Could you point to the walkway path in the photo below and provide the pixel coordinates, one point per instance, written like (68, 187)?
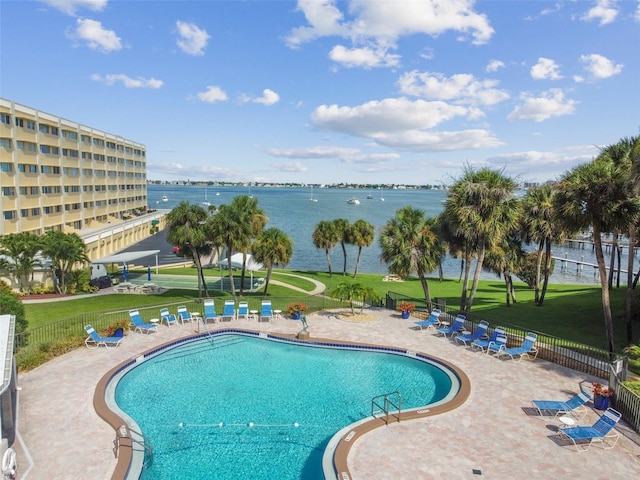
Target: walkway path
(492, 433)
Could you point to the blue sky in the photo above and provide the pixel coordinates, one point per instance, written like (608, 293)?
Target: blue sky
(321, 91)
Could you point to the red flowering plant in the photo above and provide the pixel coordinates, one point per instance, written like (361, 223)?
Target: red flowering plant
(118, 324)
(405, 307)
(296, 307)
(599, 389)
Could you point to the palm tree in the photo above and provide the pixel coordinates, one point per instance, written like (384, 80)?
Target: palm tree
(272, 247)
(597, 195)
(186, 229)
(65, 251)
(504, 259)
(361, 234)
(537, 225)
(21, 249)
(410, 244)
(480, 210)
(349, 292)
(325, 237)
(342, 227)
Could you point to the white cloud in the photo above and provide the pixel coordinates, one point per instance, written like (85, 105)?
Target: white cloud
(363, 57)
(381, 24)
(269, 97)
(290, 167)
(636, 15)
(600, 67)
(127, 81)
(460, 88)
(95, 36)
(550, 104)
(70, 7)
(313, 152)
(439, 141)
(192, 40)
(604, 10)
(212, 94)
(494, 66)
(374, 158)
(545, 69)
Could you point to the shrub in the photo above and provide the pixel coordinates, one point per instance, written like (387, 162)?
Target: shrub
(33, 356)
(113, 326)
(10, 304)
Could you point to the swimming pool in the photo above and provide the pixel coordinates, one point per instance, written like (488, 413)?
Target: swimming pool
(239, 406)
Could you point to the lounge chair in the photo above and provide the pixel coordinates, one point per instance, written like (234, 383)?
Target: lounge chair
(184, 315)
(458, 324)
(574, 406)
(496, 346)
(140, 325)
(167, 317)
(602, 431)
(527, 349)
(431, 321)
(481, 331)
(483, 343)
(94, 340)
(266, 313)
(243, 310)
(229, 312)
(210, 311)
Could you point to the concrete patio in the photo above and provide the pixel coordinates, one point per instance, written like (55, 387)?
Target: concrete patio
(493, 435)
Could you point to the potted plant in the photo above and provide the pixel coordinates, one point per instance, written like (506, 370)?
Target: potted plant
(296, 309)
(405, 308)
(117, 328)
(601, 396)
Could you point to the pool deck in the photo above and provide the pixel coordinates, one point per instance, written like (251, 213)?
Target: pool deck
(493, 435)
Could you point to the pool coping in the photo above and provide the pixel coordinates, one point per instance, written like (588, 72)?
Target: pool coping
(125, 442)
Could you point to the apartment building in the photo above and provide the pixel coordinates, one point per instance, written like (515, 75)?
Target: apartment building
(56, 174)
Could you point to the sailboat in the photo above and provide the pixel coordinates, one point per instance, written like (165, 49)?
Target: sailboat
(165, 198)
(206, 201)
(250, 196)
(381, 197)
(311, 199)
(369, 196)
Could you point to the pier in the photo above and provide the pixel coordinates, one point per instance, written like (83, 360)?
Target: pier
(580, 264)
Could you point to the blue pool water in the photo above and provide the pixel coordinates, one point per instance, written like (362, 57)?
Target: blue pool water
(237, 406)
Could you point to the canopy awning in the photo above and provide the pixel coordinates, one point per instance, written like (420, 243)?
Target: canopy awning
(236, 261)
(126, 257)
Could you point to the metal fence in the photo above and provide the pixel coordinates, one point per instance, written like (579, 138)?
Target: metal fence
(624, 400)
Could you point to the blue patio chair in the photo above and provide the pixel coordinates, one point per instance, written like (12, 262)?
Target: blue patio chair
(458, 324)
(431, 321)
(602, 431)
(184, 315)
(574, 406)
(210, 310)
(167, 317)
(94, 340)
(496, 346)
(527, 349)
(483, 343)
(481, 331)
(140, 325)
(266, 313)
(243, 310)
(229, 312)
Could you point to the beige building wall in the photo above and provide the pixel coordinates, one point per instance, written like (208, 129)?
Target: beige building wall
(56, 174)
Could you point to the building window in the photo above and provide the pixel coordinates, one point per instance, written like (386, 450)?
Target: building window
(8, 191)
(31, 125)
(24, 212)
(19, 122)
(9, 215)
(5, 143)
(45, 169)
(70, 135)
(54, 131)
(85, 138)
(35, 212)
(22, 190)
(5, 118)
(6, 167)
(47, 210)
(46, 190)
(43, 128)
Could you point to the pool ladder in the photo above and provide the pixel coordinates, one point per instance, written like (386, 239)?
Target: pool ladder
(136, 438)
(384, 404)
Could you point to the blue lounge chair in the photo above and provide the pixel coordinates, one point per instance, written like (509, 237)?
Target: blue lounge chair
(184, 315)
(266, 313)
(229, 312)
(458, 324)
(496, 346)
(483, 343)
(481, 331)
(602, 431)
(167, 317)
(574, 406)
(527, 349)
(210, 310)
(430, 322)
(243, 310)
(94, 340)
(140, 325)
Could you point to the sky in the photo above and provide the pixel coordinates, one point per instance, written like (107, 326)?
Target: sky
(326, 92)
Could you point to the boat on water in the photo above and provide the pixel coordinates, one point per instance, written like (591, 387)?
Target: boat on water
(369, 196)
(381, 197)
(311, 199)
(217, 194)
(165, 198)
(206, 201)
(353, 201)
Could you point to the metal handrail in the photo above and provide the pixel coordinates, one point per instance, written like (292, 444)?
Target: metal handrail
(125, 432)
(386, 408)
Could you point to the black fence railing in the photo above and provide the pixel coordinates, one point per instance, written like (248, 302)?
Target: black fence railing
(624, 400)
